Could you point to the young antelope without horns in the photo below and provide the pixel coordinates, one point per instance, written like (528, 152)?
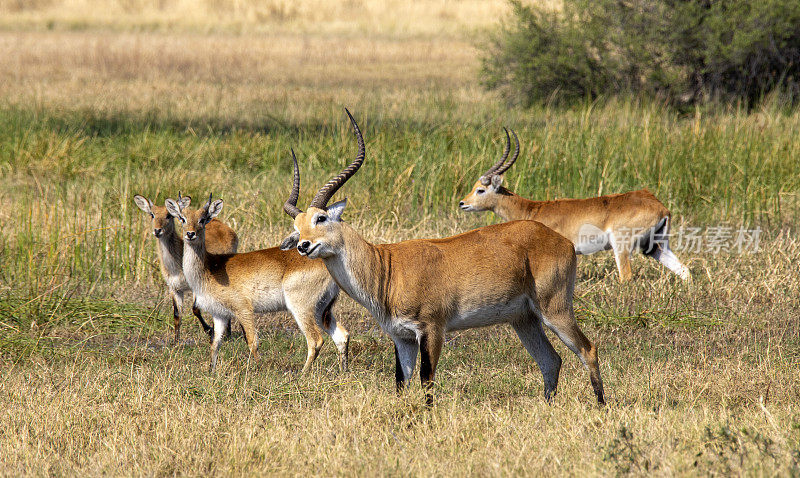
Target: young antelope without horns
(268, 280)
(221, 240)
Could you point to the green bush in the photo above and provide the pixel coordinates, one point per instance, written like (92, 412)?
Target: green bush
(683, 51)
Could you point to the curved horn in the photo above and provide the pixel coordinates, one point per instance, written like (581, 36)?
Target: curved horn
(290, 206)
(178, 202)
(324, 195)
(487, 176)
(507, 165)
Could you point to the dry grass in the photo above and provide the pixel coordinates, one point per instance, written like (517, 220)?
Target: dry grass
(241, 79)
(383, 17)
(701, 378)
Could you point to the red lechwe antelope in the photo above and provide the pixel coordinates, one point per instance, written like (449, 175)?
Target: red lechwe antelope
(520, 272)
(622, 222)
(269, 280)
(221, 240)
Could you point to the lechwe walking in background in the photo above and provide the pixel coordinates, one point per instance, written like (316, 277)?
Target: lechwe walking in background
(621, 222)
(521, 273)
(269, 280)
(221, 240)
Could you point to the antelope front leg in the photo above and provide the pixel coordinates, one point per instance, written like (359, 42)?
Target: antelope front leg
(219, 328)
(430, 344)
(313, 341)
(405, 355)
(340, 336)
(247, 320)
(206, 328)
(177, 305)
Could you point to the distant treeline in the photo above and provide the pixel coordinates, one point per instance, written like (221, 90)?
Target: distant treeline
(680, 51)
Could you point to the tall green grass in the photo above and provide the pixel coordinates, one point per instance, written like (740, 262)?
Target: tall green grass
(69, 176)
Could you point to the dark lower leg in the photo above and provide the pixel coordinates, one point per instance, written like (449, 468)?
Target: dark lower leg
(430, 348)
(594, 374)
(176, 320)
(206, 328)
(399, 376)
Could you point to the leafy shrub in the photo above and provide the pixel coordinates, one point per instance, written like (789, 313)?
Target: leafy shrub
(684, 51)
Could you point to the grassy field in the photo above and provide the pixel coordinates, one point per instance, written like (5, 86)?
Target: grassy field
(97, 104)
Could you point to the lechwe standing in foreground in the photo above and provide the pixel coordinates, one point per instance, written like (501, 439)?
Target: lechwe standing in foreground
(269, 280)
(519, 272)
(622, 222)
(221, 240)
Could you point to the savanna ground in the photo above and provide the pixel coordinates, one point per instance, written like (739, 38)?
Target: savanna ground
(101, 101)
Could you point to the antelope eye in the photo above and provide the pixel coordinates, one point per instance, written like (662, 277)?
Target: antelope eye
(152, 215)
(480, 191)
(321, 219)
(183, 221)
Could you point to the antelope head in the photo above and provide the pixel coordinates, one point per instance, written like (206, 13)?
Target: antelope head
(318, 230)
(193, 221)
(489, 188)
(160, 218)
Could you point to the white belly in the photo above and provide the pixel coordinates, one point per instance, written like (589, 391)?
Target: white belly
(400, 327)
(208, 305)
(592, 239)
(488, 315)
(269, 300)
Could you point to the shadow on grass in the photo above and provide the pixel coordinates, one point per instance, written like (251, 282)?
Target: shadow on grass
(102, 124)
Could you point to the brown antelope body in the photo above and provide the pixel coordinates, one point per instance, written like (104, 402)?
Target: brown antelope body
(269, 280)
(620, 222)
(520, 273)
(221, 240)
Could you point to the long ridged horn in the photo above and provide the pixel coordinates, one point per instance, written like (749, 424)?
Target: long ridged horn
(507, 165)
(290, 206)
(487, 176)
(208, 203)
(324, 195)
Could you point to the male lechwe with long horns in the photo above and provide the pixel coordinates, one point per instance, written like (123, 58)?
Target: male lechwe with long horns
(621, 222)
(521, 273)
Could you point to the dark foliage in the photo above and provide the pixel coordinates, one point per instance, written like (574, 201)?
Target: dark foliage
(684, 51)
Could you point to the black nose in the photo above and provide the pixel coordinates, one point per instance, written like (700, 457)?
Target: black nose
(303, 246)
(157, 232)
(190, 234)
(460, 203)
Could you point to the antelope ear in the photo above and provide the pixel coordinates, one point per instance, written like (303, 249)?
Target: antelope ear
(214, 209)
(173, 209)
(291, 241)
(497, 181)
(185, 201)
(336, 209)
(143, 203)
